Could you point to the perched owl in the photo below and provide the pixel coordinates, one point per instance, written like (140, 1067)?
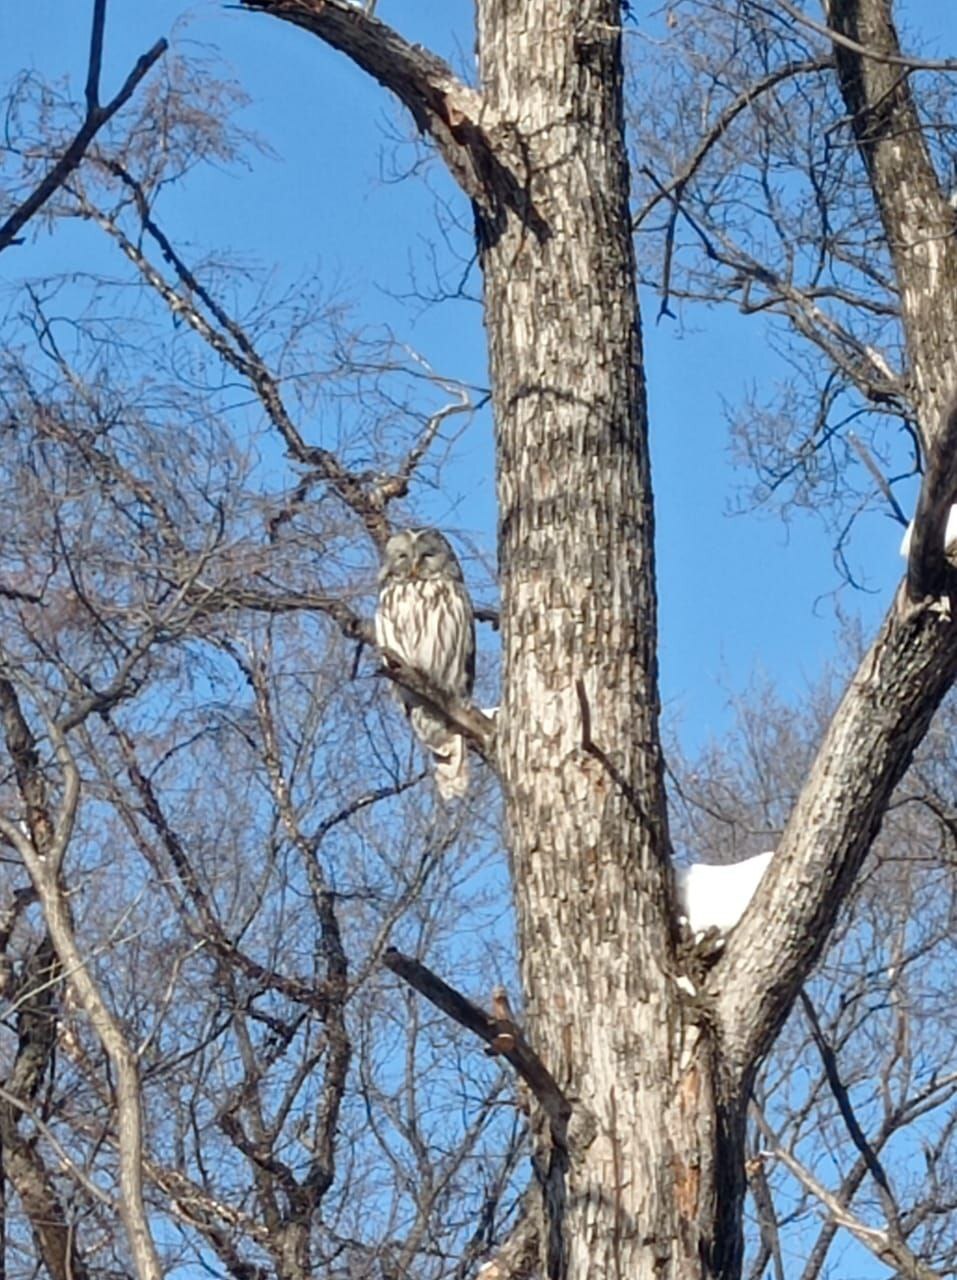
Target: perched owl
(717, 896)
(424, 615)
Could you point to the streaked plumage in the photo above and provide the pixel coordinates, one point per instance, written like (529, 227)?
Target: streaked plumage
(424, 615)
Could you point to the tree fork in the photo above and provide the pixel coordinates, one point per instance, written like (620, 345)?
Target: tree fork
(653, 1185)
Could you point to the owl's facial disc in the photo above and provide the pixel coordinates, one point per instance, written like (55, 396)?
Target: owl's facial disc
(429, 564)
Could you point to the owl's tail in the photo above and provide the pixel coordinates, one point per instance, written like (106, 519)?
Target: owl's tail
(452, 768)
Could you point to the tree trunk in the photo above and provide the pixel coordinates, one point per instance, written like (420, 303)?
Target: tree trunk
(646, 1179)
(652, 1186)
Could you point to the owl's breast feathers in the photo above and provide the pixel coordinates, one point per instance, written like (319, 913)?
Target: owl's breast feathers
(428, 624)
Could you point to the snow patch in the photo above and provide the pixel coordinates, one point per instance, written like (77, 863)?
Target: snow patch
(950, 532)
(715, 897)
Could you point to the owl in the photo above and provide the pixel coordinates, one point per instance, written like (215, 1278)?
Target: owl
(425, 616)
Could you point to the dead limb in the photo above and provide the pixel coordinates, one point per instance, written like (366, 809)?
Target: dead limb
(496, 1032)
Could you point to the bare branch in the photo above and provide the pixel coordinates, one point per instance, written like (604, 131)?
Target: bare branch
(92, 92)
(96, 118)
(909, 61)
(443, 107)
(676, 186)
(883, 715)
(493, 1031)
(485, 155)
(233, 345)
(880, 479)
(44, 864)
(890, 1248)
(841, 1097)
(472, 723)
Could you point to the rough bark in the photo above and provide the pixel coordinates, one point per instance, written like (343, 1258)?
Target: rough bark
(649, 1189)
(648, 1181)
(36, 1002)
(918, 221)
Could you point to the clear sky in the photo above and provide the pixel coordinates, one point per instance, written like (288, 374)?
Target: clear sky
(740, 595)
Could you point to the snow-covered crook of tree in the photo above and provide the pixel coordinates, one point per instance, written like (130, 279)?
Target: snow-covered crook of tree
(716, 897)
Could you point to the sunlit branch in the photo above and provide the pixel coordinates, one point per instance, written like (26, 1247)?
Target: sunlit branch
(883, 1243)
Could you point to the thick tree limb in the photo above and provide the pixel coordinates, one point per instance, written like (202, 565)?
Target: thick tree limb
(484, 155)
(917, 220)
(494, 1031)
(443, 106)
(868, 745)
(96, 117)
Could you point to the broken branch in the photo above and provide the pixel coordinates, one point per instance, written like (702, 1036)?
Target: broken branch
(494, 1031)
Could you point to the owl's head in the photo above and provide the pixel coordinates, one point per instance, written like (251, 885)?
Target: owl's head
(419, 554)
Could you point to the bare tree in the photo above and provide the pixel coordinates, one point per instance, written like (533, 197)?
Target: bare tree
(643, 1173)
(853, 1114)
(223, 856)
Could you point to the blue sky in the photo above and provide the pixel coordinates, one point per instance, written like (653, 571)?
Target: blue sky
(741, 596)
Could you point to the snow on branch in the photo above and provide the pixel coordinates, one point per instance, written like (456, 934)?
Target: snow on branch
(928, 570)
(716, 897)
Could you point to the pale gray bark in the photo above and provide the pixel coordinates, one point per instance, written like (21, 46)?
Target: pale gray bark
(42, 849)
(649, 1180)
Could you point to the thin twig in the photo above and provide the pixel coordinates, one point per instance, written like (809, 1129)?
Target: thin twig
(865, 51)
(842, 1098)
(880, 479)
